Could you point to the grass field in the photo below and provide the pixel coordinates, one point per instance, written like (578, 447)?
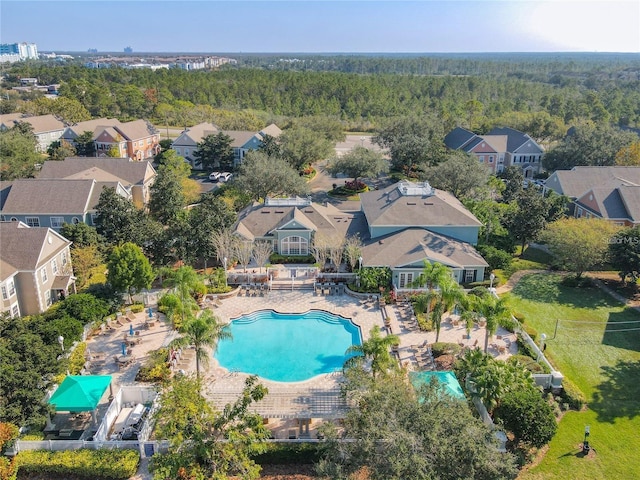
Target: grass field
(600, 353)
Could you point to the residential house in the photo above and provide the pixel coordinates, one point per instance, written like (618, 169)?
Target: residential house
(500, 148)
(618, 204)
(241, 141)
(135, 177)
(401, 227)
(53, 202)
(46, 128)
(586, 185)
(35, 268)
(187, 142)
(137, 140)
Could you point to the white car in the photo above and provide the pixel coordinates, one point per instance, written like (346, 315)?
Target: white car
(225, 177)
(214, 176)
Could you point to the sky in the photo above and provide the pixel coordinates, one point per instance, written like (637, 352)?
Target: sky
(365, 26)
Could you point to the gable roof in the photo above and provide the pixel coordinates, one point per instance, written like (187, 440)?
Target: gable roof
(261, 220)
(22, 246)
(272, 130)
(53, 196)
(239, 138)
(126, 171)
(498, 142)
(135, 130)
(517, 141)
(576, 182)
(614, 203)
(421, 206)
(458, 138)
(195, 134)
(40, 123)
(90, 126)
(413, 245)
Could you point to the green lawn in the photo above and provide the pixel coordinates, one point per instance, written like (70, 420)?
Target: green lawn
(606, 367)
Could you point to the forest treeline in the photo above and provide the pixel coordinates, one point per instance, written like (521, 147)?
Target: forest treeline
(545, 98)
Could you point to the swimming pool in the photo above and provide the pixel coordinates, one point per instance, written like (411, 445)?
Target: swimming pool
(288, 347)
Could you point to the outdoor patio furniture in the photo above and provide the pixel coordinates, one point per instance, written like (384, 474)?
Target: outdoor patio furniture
(119, 323)
(131, 316)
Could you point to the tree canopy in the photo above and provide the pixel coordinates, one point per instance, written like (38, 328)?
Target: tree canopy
(261, 176)
(18, 154)
(301, 146)
(214, 151)
(359, 162)
(624, 253)
(460, 174)
(129, 270)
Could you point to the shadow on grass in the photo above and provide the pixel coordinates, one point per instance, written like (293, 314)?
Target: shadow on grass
(620, 333)
(619, 395)
(547, 288)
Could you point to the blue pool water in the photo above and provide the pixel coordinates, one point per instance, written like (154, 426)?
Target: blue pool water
(287, 347)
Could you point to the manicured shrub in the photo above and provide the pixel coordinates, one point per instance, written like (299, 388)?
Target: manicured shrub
(277, 258)
(137, 307)
(572, 395)
(443, 348)
(83, 463)
(8, 468)
(288, 453)
(532, 332)
(527, 362)
(496, 258)
(8, 433)
(519, 317)
(156, 368)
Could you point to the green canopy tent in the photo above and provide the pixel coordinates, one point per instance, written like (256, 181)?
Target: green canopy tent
(447, 382)
(80, 393)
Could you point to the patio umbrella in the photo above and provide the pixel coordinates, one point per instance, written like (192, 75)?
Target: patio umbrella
(124, 348)
(150, 312)
(131, 330)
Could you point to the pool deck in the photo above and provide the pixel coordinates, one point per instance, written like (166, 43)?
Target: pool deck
(316, 398)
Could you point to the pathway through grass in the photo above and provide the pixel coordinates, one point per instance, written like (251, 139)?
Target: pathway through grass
(600, 353)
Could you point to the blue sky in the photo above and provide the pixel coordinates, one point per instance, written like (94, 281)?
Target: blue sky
(328, 26)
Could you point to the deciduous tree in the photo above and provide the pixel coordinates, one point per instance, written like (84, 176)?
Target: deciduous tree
(60, 149)
(215, 151)
(461, 174)
(84, 145)
(18, 154)
(261, 176)
(129, 270)
(359, 162)
(624, 253)
(302, 147)
(579, 244)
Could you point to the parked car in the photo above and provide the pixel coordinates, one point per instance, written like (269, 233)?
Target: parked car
(214, 176)
(225, 177)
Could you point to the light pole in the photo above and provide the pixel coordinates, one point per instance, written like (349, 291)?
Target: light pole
(360, 263)
(585, 444)
(492, 277)
(224, 262)
(359, 271)
(543, 337)
(362, 139)
(61, 342)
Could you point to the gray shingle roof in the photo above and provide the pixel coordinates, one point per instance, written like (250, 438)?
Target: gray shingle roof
(631, 199)
(40, 123)
(458, 138)
(22, 246)
(576, 182)
(413, 245)
(195, 134)
(91, 126)
(49, 196)
(390, 207)
(128, 172)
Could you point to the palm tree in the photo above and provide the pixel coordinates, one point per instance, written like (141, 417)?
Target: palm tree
(187, 282)
(375, 350)
(202, 332)
(433, 274)
(449, 294)
(493, 310)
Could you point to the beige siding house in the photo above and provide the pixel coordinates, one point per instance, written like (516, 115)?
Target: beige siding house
(35, 268)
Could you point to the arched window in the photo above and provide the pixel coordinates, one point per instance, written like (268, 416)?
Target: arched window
(294, 245)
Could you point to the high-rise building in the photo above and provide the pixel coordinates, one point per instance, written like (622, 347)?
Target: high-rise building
(13, 52)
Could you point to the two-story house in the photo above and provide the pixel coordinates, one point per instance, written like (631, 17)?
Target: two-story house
(46, 128)
(241, 141)
(135, 177)
(401, 227)
(35, 268)
(603, 192)
(500, 148)
(53, 202)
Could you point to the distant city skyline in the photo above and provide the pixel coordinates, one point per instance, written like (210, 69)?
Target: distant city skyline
(328, 26)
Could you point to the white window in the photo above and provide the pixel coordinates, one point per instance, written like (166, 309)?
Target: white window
(468, 275)
(12, 288)
(47, 297)
(54, 266)
(490, 158)
(295, 245)
(186, 152)
(5, 295)
(481, 158)
(406, 279)
(177, 150)
(14, 311)
(43, 274)
(579, 212)
(64, 258)
(33, 221)
(56, 222)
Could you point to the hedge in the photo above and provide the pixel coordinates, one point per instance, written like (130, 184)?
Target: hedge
(289, 453)
(277, 258)
(572, 395)
(442, 348)
(84, 463)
